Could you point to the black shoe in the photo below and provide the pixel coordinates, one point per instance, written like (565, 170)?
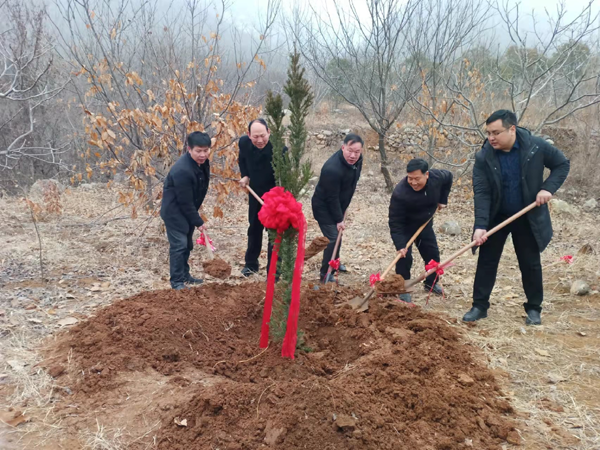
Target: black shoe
(247, 271)
(437, 290)
(406, 298)
(474, 314)
(343, 268)
(533, 317)
(179, 286)
(192, 280)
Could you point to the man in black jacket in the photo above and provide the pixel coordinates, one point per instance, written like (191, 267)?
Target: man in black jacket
(333, 194)
(183, 193)
(507, 176)
(256, 167)
(414, 201)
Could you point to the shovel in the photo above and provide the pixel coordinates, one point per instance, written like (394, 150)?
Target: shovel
(335, 249)
(215, 267)
(362, 304)
(452, 257)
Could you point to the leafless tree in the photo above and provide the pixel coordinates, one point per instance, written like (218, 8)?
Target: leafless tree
(373, 60)
(27, 84)
(545, 74)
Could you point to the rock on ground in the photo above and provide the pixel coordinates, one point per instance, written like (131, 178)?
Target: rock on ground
(580, 287)
(450, 227)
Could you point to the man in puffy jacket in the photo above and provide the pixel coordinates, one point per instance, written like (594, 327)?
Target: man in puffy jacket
(414, 201)
(184, 191)
(334, 192)
(508, 175)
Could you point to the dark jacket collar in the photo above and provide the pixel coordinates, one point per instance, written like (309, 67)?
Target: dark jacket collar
(346, 163)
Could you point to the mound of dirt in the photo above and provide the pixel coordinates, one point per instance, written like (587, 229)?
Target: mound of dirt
(392, 378)
(393, 284)
(317, 245)
(217, 268)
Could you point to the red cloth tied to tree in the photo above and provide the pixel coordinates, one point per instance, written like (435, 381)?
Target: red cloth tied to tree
(374, 278)
(335, 264)
(280, 212)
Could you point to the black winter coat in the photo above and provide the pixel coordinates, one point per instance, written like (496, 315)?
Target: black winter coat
(184, 190)
(257, 164)
(536, 154)
(335, 189)
(409, 209)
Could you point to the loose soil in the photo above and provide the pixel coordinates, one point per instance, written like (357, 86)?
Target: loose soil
(317, 245)
(217, 268)
(393, 284)
(392, 378)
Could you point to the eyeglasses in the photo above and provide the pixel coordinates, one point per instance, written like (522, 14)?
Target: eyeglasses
(495, 133)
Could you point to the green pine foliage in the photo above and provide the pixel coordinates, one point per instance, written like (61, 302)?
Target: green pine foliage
(292, 173)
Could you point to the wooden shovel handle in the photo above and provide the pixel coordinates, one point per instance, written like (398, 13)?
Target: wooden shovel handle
(335, 248)
(260, 200)
(471, 245)
(396, 259)
(408, 244)
(208, 246)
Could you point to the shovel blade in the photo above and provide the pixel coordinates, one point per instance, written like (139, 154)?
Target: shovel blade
(356, 302)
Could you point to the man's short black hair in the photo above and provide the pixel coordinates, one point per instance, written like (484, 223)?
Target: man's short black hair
(262, 121)
(352, 138)
(507, 117)
(198, 139)
(417, 164)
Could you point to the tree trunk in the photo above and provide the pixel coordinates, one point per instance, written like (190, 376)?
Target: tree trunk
(384, 163)
(149, 193)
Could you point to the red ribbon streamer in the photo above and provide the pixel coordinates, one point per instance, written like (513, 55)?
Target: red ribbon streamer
(279, 212)
(335, 264)
(202, 241)
(291, 333)
(439, 271)
(264, 330)
(374, 278)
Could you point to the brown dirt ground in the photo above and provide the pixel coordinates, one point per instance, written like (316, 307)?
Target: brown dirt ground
(217, 268)
(393, 378)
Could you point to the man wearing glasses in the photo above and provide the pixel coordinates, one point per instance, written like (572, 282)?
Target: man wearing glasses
(333, 194)
(507, 176)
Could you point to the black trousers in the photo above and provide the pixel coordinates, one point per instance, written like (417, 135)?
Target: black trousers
(180, 245)
(528, 255)
(255, 236)
(330, 231)
(428, 248)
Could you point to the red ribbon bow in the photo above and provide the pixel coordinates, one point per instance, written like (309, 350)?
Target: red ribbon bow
(567, 258)
(432, 265)
(374, 278)
(279, 212)
(335, 264)
(202, 241)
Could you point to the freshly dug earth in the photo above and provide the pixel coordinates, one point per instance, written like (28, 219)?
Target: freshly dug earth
(392, 284)
(317, 245)
(217, 268)
(392, 378)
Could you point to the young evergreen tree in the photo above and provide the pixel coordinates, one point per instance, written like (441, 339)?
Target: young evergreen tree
(291, 172)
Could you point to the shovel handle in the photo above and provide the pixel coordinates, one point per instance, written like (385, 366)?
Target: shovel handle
(260, 200)
(208, 246)
(396, 259)
(335, 248)
(408, 244)
(471, 245)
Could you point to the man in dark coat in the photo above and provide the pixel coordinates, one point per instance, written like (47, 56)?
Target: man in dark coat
(256, 167)
(333, 194)
(414, 201)
(184, 191)
(508, 175)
